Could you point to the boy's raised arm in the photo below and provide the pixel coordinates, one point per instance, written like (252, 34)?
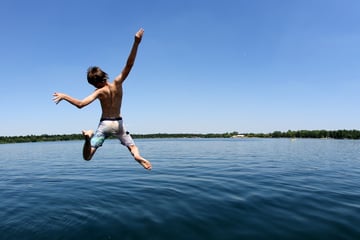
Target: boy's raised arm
(131, 59)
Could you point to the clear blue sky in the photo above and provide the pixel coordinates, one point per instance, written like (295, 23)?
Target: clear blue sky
(203, 66)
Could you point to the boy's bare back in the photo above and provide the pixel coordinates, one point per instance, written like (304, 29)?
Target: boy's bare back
(110, 97)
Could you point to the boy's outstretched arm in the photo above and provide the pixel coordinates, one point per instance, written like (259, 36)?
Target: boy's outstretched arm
(131, 59)
(58, 97)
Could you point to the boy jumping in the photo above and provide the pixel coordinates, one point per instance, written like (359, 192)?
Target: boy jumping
(110, 96)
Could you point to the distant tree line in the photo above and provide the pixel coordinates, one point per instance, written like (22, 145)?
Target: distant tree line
(69, 137)
(336, 134)
(185, 135)
(40, 138)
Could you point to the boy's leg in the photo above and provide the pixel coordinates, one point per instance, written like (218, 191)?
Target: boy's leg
(143, 162)
(88, 151)
(126, 140)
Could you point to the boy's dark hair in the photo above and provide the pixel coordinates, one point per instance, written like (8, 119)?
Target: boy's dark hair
(96, 75)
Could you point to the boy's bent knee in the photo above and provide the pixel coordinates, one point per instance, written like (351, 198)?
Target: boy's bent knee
(87, 159)
(88, 153)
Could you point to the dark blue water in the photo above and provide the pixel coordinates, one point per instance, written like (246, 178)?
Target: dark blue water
(198, 189)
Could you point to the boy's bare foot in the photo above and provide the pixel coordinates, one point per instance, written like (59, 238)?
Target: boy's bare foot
(88, 134)
(143, 162)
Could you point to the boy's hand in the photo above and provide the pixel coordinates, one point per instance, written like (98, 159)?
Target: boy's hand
(138, 35)
(58, 97)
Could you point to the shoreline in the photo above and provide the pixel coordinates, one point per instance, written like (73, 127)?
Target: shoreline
(318, 134)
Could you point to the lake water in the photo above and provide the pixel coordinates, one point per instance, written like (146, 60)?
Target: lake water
(198, 189)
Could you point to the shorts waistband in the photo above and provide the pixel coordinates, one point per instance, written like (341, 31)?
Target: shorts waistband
(111, 119)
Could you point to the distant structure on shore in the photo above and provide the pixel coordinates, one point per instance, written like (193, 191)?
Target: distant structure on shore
(238, 136)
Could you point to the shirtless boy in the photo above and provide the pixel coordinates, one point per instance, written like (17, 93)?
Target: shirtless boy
(110, 96)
